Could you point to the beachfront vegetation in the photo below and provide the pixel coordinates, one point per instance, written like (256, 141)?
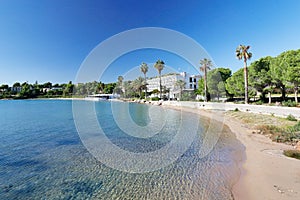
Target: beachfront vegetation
(50, 90)
(206, 65)
(216, 82)
(293, 153)
(144, 70)
(242, 53)
(291, 118)
(181, 84)
(270, 80)
(159, 65)
(276, 128)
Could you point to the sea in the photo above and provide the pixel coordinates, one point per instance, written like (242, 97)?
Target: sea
(49, 150)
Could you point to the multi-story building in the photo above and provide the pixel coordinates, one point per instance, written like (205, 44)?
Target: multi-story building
(168, 82)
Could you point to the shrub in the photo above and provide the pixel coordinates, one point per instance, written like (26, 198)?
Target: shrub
(260, 102)
(289, 103)
(155, 99)
(292, 153)
(291, 118)
(236, 110)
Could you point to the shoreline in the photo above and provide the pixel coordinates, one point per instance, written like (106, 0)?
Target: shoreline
(265, 173)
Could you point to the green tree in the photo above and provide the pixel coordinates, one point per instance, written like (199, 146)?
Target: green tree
(16, 84)
(200, 90)
(260, 77)
(144, 70)
(206, 64)
(100, 87)
(3, 90)
(68, 89)
(127, 89)
(216, 79)
(139, 84)
(47, 85)
(159, 65)
(181, 84)
(278, 71)
(155, 91)
(119, 87)
(241, 52)
(56, 85)
(235, 84)
(26, 91)
(4, 87)
(109, 88)
(81, 89)
(293, 70)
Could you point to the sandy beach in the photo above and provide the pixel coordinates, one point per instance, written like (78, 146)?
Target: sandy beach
(265, 172)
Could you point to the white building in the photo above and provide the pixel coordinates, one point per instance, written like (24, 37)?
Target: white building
(169, 82)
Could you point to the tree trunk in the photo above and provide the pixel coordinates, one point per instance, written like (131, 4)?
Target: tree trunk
(270, 98)
(296, 95)
(145, 86)
(246, 81)
(283, 92)
(159, 85)
(140, 93)
(205, 85)
(263, 96)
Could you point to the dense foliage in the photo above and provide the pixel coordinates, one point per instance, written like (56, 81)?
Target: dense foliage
(266, 76)
(49, 90)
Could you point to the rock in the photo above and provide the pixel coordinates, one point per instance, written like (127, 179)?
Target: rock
(257, 132)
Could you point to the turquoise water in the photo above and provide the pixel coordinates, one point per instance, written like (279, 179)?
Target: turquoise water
(42, 157)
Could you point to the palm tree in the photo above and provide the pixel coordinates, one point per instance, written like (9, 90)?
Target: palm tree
(241, 52)
(126, 87)
(159, 65)
(144, 70)
(180, 84)
(206, 64)
(139, 85)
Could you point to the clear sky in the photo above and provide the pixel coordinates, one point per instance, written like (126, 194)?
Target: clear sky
(48, 40)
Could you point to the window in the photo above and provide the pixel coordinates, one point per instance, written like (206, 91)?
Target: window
(191, 79)
(195, 87)
(195, 80)
(191, 86)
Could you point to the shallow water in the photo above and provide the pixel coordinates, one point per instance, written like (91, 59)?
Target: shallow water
(42, 156)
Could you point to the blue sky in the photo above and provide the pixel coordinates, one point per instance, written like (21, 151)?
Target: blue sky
(49, 40)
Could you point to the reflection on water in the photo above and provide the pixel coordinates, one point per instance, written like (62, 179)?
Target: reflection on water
(41, 157)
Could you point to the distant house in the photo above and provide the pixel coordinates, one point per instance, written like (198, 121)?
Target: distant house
(56, 88)
(169, 82)
(16, 89)
(45, 90)
(97, 97)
